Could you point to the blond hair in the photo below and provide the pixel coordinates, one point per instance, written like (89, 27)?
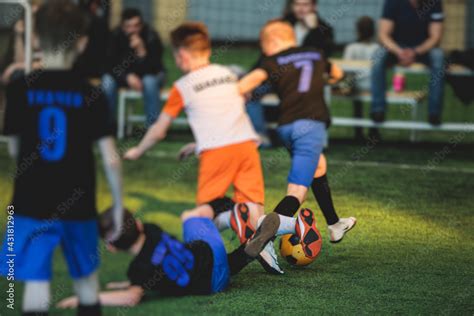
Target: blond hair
(278, 29)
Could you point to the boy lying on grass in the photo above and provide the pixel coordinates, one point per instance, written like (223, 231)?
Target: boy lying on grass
(197, 266)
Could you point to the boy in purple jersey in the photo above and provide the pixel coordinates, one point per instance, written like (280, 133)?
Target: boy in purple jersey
(298, 75)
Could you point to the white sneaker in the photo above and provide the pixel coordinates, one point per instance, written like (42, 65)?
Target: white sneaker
(338, 230)
(269, 259)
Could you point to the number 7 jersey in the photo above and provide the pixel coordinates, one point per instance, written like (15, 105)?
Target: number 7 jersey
(298, 76)
(57, 116)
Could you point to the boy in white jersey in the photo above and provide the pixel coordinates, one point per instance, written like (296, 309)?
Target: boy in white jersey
(226, 141)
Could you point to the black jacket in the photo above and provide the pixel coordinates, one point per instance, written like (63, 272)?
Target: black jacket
(321, 37)
(123, 60)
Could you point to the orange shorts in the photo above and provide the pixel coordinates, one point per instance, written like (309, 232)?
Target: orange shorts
(237, 164)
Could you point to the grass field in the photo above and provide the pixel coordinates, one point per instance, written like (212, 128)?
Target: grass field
(412, 251)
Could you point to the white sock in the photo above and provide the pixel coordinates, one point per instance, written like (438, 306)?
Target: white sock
(87, 289)
(287, 224)
(222, 221)
(36, 297)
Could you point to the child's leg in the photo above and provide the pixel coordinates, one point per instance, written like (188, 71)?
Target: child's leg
(80, 242)
(322, 192)
(304, 139)
(87, 291)
(338, 227)
(36, 298)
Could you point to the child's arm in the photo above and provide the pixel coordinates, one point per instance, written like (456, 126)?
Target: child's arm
(113, 171)
(335, 74)
(129, 297)
(154, 135)
(157, 132)
(252, 80)
(14, 146)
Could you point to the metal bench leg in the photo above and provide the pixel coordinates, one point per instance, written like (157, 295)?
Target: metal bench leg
(121, 116)
(414, 117)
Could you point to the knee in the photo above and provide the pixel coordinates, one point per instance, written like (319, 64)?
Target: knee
(379, 58)
(322, 167)
(436, 57)
(108, 83)
(150, 82)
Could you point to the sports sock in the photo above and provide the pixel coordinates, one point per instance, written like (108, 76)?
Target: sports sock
(36, 297)
(288, 206)
(238, 259)
(287, 225)
(322, 193)
(34, 314)
(222, 221)
(89, 310)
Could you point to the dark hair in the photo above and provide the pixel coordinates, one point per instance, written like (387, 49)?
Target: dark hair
(129, 233)
(59, 24)
(193, 36)
(365, 29)
(288, 11)
(131, 13)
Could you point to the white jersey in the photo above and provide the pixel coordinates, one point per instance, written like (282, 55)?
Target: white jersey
(215, 109)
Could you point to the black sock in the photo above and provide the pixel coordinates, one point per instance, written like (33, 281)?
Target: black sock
(238, 259)
(288, 206)
(89, 310)
(34, 314)
(322, 193)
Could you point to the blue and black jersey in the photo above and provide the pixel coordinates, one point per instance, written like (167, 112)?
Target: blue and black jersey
(57, 116)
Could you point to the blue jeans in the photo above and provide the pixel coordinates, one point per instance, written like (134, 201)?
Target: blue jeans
(434, 59)
(151, 95)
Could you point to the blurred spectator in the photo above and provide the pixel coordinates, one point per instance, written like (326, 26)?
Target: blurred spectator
(410, 30)
(14, 62)
(135, 54)
(92, 61)
(311, 30)
(363, 49)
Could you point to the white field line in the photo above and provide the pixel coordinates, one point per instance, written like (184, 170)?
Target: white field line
(366, 164)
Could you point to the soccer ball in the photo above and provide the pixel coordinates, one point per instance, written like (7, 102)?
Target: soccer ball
(292, 251)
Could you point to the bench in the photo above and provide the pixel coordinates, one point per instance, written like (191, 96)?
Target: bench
(410, 99)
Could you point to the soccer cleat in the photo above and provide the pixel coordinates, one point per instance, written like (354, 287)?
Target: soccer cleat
(338, 230)
(263, 235)
(306, 230)
(268, 259)
(240, 222)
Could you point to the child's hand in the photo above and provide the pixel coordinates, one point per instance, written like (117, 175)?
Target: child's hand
(133, 154)
(117, 285)
(187, 151)
(68, 303)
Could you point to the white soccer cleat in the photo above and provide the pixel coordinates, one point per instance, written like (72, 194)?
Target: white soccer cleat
(338, 230)
(269, 259)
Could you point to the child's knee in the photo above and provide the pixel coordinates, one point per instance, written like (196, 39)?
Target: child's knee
(322, 167)
(200, 211)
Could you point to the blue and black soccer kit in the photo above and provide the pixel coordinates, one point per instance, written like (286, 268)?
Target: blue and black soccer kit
(57, 116)
(197, 266)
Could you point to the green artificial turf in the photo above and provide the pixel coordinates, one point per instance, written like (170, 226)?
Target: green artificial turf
(411, 253)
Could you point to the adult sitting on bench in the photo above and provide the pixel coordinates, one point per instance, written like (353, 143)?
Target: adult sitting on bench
(410, 31)
(135, 56)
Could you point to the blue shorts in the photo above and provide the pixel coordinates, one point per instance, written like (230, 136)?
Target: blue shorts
(35, 240)
(203, 229)
(305, 141)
